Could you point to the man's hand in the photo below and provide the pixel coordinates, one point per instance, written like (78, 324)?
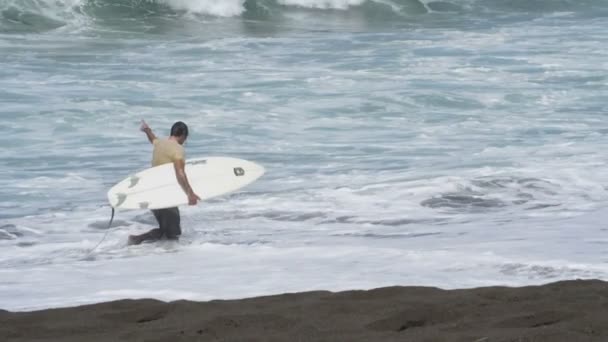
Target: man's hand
(144, 126)
(193, 198)
(146, 129)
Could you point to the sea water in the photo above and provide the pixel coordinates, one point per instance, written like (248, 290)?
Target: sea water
(455, 143)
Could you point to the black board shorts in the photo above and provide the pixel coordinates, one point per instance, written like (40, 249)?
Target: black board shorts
(168, 222)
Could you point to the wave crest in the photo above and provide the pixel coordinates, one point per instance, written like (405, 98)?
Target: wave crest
(44, 15)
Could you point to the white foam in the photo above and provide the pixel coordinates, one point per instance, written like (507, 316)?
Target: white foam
(224, 8)
(204, 271)
(323, 4)
(228, 8)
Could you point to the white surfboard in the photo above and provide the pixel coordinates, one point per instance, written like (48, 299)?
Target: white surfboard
(157, 187)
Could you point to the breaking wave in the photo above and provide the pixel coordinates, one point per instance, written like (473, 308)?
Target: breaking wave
(17, 16)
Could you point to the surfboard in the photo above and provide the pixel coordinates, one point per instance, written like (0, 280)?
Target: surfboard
(157, 187)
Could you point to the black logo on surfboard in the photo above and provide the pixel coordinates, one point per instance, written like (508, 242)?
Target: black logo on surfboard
(238, 171)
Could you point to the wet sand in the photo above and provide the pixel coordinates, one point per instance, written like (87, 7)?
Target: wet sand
(568, 311)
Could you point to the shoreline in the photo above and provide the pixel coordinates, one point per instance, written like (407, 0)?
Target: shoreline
(572, 310)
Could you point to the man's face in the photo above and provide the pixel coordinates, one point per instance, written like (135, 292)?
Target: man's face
(181, 140)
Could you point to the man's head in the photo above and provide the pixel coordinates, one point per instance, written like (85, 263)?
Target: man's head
(179, 131)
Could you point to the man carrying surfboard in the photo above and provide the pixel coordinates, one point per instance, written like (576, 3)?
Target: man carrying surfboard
(169, 150)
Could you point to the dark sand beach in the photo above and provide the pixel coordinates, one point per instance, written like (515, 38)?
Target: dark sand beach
(566, 311)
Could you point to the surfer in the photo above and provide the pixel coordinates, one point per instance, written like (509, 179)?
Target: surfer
(169, 150)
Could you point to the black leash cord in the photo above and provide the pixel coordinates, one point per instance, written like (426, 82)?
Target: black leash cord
(106, 234)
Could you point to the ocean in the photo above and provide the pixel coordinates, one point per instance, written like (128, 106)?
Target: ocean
(453, 144)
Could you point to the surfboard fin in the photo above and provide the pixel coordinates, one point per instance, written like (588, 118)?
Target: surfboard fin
(121, 199)
(134, 180)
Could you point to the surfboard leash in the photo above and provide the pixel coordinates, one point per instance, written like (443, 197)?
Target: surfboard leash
(104, 235)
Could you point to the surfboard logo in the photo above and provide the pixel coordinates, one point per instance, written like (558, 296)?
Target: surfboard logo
(197, 162)
(239, 171)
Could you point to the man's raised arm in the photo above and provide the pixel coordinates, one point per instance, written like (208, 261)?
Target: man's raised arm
(146, 129)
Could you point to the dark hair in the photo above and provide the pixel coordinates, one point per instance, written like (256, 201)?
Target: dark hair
(179, 129)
